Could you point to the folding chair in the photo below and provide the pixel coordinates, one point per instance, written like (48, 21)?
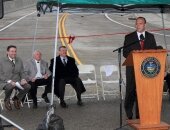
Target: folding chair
(88, 76)
(109, 80)
(69, 92)
(39, 98)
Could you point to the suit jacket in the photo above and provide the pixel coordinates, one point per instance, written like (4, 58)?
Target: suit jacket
(68, 71)
(31, 69)
(149, 43)
(9, 71)
(61, 71)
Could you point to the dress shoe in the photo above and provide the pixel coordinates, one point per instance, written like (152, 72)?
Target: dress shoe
(80, 103)
(137, 117)
(45, 98)
(17, 103)
(63, 104)
(8, 105)
(129, 118)
(35, 106)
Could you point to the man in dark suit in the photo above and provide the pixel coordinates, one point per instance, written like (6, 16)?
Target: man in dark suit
(167, 79)
(12, 77)
(66, 72)
(38, 73)
(142, 40)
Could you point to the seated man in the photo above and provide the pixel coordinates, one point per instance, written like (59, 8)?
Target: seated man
(66, 72)
(38, 74)
(12, 77)
(167, 79)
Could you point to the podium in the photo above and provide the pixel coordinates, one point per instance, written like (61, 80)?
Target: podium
(149, 68)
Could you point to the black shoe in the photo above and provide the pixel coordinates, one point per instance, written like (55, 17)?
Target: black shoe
(17, 103)
(137, 117)
(63, 104)
(8, 105)
(80, 103)
(35, 106)
(129, 118)
(45, 98)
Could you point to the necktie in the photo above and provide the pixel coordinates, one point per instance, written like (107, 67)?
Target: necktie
(64, 62)
(13, 62)
(142, 41)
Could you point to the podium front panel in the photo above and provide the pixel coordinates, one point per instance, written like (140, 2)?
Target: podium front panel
(149, 70)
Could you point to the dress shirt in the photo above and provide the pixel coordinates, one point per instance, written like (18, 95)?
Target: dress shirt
(12, 60)
(38, 75)
(63, 60)
(138, 33)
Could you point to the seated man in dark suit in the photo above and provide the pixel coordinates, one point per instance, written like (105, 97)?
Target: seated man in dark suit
(38, 74)
(167, 79)
(66, 72)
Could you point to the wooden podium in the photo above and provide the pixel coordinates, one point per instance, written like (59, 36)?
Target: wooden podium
(149, 68)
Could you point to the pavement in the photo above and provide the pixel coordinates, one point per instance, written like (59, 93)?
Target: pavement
(96, 50)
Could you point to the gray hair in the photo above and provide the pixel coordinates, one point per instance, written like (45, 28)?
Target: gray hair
(36, 51)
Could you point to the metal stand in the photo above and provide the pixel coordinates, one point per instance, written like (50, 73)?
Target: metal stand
(120, 85)
(51, 110)
(120, 77)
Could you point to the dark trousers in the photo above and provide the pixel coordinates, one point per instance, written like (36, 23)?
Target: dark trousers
(9, 88)
(39, 82)
(131, 96)
(75, 83)
(167, 78)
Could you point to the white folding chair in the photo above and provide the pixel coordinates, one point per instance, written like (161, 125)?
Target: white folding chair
(87, 74)
(69, 92)
(110, 80)
(39, 98)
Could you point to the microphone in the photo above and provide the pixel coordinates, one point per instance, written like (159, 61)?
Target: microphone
(142, 37)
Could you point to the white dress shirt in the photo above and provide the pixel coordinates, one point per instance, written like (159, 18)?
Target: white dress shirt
(138, 33)
(38, 75)
(63, 60)
(12, 60)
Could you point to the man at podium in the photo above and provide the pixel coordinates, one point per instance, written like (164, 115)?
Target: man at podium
(137, 40)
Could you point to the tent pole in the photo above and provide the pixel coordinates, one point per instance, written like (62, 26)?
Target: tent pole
(165, 41)
(55, 51)
(163, 26)
(51, 110)
(35, 34)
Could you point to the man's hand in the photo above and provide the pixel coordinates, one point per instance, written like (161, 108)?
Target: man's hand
(45, 76)
(33, 79)
(13, 83)
(23, 81)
